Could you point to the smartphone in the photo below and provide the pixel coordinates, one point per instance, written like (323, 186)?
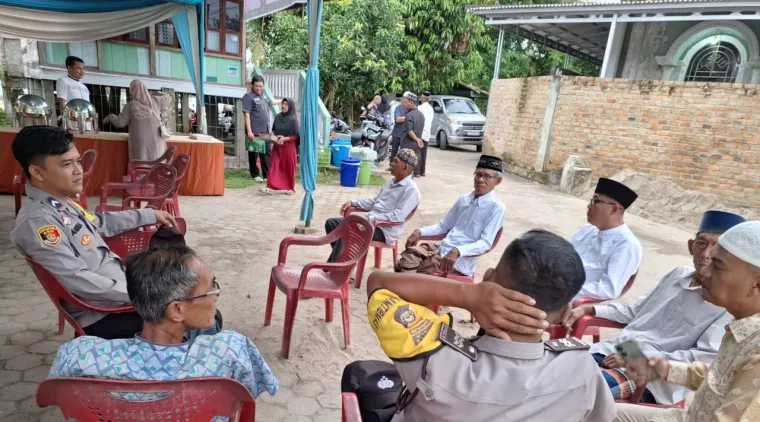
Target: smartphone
(631, 352)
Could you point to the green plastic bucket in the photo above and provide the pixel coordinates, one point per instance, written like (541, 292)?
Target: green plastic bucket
(365, 172)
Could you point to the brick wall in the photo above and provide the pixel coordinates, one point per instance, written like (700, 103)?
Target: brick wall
(515, 118)
(701, 136)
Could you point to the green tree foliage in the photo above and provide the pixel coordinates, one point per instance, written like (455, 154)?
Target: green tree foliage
(397, 45)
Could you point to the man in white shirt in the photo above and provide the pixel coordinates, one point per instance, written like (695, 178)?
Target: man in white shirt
(427, 111)
(70, 87)
(396, 200)
(673, 321)
(470, 227)
(610, 251)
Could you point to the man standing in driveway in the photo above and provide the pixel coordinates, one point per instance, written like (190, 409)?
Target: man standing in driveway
(427, 110)
(413, 125)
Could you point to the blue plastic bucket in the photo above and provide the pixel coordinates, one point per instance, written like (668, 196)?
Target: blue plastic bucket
(349, 171)
(340, 150)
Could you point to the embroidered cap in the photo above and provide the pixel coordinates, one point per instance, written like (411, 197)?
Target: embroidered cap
(411, 96)
(617, 191)
(743, 242)
(408, 156)
(489, 162)
(719, 221)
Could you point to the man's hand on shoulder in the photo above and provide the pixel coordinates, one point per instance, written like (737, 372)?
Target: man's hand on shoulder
(163, 218)
(499, 310)
(413, 239)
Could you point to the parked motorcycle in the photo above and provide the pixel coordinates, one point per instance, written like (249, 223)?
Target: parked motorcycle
(337, 125)
(227, 122)
(375, 133)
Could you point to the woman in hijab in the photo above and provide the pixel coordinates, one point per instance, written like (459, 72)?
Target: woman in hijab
(143, 115)
(282, 164)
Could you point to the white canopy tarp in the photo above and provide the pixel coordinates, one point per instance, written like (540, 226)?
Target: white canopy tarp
(41, 25)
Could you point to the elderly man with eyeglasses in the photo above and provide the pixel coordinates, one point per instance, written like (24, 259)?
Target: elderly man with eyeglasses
(470, 227)
(610, 251)
(175, 293)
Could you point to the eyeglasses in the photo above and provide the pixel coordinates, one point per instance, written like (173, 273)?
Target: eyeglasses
(485, 176)
(215, 292)
(596, 200)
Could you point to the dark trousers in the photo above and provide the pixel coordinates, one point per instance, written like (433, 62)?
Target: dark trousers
(337, 246)
(116, 326)
(253, 169)
(395, 143)
(423, 159)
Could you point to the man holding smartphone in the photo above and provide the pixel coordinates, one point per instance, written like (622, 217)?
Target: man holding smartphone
(729, 389)
(672, 321)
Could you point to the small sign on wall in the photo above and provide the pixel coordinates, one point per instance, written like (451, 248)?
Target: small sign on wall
(232, 71)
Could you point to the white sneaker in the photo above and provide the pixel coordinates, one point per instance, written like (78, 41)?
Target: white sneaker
(258, 179)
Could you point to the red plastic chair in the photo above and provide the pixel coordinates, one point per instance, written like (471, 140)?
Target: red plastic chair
(180, 163)
(379, 246)
(591, 324)
(351, 412)
(88, 165)
(186, 400)
(133, 165)
(559, 331)
(19, 187)
(59, 295)
(160, 180)
(456, 275)
(133, 241)
(310, 281)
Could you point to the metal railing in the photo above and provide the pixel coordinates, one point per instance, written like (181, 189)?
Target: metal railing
(281, 83)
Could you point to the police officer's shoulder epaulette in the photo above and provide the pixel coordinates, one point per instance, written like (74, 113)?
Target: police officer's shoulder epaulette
(451, 338)
(53, 202)
(565, 344)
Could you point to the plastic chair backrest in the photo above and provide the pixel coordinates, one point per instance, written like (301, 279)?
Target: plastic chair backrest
(180, 163)
(136, 240)
(162, 178)
(53, 287)
(186, 400)
(356, 232)
(88, 162)
(165, 158)
(629, 284)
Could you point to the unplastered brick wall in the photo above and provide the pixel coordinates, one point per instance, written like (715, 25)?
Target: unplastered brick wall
(702, 136)
(515, 115)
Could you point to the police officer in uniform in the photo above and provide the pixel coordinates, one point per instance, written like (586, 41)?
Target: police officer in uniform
(65, 238)
(507, 373)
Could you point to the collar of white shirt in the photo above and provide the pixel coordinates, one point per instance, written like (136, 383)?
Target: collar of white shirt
(483, 199)
(405, 181)
(745, 327)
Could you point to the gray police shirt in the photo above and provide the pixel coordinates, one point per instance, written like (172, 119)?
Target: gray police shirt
(66, 240)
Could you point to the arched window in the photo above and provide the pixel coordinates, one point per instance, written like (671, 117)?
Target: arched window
(717, 62)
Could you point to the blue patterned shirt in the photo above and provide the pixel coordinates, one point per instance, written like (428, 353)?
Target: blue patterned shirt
(227, 354)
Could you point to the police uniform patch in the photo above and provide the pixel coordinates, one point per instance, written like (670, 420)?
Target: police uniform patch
(54, 202)
(86, 239)
(75, 230)
(565, 344)
(416, 326)
(66, 220)
(451, 338)
(49, 235)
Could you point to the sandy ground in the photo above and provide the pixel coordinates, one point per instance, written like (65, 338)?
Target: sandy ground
(239, 234)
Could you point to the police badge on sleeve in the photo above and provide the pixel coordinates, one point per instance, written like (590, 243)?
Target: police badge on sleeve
(49, 235)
